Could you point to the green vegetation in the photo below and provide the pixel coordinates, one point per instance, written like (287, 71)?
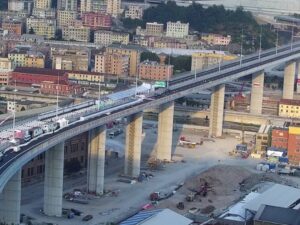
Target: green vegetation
(3, 4)
(132, 24)
(214, 19)
(149, 56)
(181, 63)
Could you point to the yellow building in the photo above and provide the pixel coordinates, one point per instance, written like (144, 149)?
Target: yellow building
(23, 57)
(42, 4)
(113, 7)
(41, 26)
(112, 63)
(155, 29)
(66, 18)
(76, 33)
(134, 53)
(85, 78)
(216, 39)
(6, 67)
(70, 59)
(108, 37)
(202, 60)
(289, 108)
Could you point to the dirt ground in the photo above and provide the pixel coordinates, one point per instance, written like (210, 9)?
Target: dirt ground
(226, 185)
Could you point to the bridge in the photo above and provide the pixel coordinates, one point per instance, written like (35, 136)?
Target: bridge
(53, 142)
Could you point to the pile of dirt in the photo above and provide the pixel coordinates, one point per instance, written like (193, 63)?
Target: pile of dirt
(222, 179)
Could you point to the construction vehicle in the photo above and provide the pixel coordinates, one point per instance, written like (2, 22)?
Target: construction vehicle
(186, 143)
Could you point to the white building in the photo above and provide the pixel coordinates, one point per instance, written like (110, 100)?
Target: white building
(134, 12)
(177, 29)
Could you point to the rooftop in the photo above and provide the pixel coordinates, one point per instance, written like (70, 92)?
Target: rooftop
(133, 47)
(277, 215)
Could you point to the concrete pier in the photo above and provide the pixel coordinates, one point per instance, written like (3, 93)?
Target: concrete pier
(217, 111)
(165, 132)
(53, 186)
(289, 80)
(10, 201)
(96, 160)
(257, 93)
(133, 144)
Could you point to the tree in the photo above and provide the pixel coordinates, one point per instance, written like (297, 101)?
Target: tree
(149, 56)
(31, 31)
(181, 63)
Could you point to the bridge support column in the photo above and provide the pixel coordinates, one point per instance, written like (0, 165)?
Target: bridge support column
(53, 185)
(257, 92)
(133, 144)
(289, 80)
(165, 131)
(96, 160)
(217, 111)
(10, 201)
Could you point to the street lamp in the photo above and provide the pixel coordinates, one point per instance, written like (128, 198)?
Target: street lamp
(292, 38)
(276, 41)
(259, 53)
(241, 57)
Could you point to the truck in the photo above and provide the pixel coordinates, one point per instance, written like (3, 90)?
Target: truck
(62, 123)
(35, 132)
(115, 133)
(186, 143)
(50, 127)
(22, 135)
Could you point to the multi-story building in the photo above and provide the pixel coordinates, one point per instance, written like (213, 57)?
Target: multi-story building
(75, 149)
(86, 6)
(60, 88)
(262, 140)
(169, 43)
(113, 7)
(25, 76)
(77, 59)
(151, 70)
(96, 20)
(202, 60)
(67, 5)
(106, 38)
(44, 13)
(289, 108)
(41, 26)
(24, 57)
(134, 53)
(280, 137)
(42, 4)
(177, 29)
(76, 33)
(154, 29)
(112, 63)
(13, 26)
(134, 12)
(85, 78)
(216, 39)
(92, 5)
(6, 67)
(20, 6)
(294, 145)
(66, 18)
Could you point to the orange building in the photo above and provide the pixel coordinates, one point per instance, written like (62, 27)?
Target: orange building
(151, 70)
(63, 88)
(280, 137)
(13, 27)
(294, 145)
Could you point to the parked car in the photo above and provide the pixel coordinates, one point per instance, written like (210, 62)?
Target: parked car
(87, 218)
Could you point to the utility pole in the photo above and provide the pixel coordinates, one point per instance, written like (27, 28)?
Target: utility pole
(259, 53)
(241, 58)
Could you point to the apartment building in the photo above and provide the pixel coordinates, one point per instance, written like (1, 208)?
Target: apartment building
(177, 29)
(66, 18)
(289, 108)
(134, 12)
(113, 7)
(42, 4)
(41, 26)
(151, 70)
(6, 67)
(85, 78)
(24, 57)
(73, 33)
(13, 26)
(106, 38)
(154, 29)
(216, 39)
(96, 20)
(202, 60)
(112, 63)
(70, 59)
(134, 53)
(67, 5)
(44, 13)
